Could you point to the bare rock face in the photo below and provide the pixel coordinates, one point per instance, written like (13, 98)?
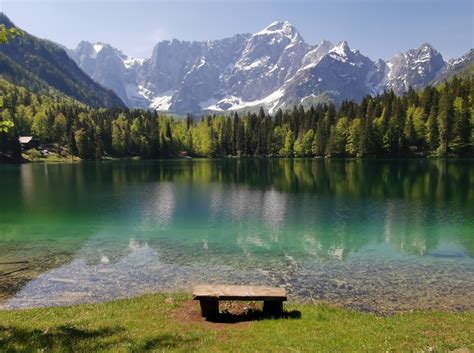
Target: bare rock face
(455, 66)
(415, 68)
(273, 68)
(341, 73)
(111, 68)
(270, 57)
(201, 78)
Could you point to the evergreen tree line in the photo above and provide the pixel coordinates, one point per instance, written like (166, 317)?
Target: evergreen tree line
(433, 121)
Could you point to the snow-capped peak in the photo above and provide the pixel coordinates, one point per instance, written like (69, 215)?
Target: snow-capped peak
(414, 68)
(91, 49)
(427, 46)
(425, 51)
(278, 26)
(282, 28)
(340, 52)
(313, 57)
(469, 56)
(341, 49)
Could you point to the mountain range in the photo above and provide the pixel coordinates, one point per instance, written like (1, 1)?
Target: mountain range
(274, 68)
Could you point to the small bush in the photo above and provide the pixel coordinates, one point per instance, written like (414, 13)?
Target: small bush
(34, 154)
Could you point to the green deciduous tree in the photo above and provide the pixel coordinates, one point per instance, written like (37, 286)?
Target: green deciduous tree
(338, 138)
(355, 141)
(445, 118)
(287, 150)
(120, 135)
(41, 128)
(59, 130)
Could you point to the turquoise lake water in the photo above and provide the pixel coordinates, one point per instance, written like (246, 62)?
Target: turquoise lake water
(382, 235)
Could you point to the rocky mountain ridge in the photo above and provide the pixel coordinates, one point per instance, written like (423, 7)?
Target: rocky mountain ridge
(274, 68)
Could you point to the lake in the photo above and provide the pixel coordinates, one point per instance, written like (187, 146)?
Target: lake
(378, 235)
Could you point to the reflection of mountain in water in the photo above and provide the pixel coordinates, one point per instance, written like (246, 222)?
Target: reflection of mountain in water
(159, 207)
(249, 227)
(314, 206)
(255, 216)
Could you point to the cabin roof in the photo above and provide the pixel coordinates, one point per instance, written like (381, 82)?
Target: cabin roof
(25, 139)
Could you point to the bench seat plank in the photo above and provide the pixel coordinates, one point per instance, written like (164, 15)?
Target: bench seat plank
(232, 292)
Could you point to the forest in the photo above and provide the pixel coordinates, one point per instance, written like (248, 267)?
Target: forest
(435, 121)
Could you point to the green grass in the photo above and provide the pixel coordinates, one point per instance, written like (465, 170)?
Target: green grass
(34, 155)
(154, 323)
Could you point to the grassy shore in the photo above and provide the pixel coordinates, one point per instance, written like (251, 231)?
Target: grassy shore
(35, 156)
(172, 323)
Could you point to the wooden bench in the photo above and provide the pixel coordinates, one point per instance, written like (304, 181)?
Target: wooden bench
(209, 296)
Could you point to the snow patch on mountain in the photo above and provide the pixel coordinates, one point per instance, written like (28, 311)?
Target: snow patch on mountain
(415, 68)
(236, 103)
(163, 102)
(130, 62)
(341, 52)
(138, 95)
(97, 48)
(314, 56)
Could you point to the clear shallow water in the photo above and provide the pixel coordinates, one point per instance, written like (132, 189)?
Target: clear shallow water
(373, 235)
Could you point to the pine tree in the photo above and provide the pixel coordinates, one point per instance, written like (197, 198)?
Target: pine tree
(319, 141)
(367, 136)
(463, 128)
(445, 118)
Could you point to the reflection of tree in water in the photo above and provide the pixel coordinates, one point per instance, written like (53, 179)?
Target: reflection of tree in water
(408, 232)
(261, 190)
(436, 181)
(259, 212)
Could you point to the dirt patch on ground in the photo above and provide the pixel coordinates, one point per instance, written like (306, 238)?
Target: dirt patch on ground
(232, 314)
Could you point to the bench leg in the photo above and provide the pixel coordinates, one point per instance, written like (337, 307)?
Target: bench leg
(272, 308)
(209, 308)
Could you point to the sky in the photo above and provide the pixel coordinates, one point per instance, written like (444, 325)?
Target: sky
(378, 28)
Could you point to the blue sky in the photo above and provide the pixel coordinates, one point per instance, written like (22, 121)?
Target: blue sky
(378, 28)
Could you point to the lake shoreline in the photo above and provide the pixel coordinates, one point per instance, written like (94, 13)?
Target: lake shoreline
(173, 322)
(69, 160)
(292, 300)
(343, 303)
